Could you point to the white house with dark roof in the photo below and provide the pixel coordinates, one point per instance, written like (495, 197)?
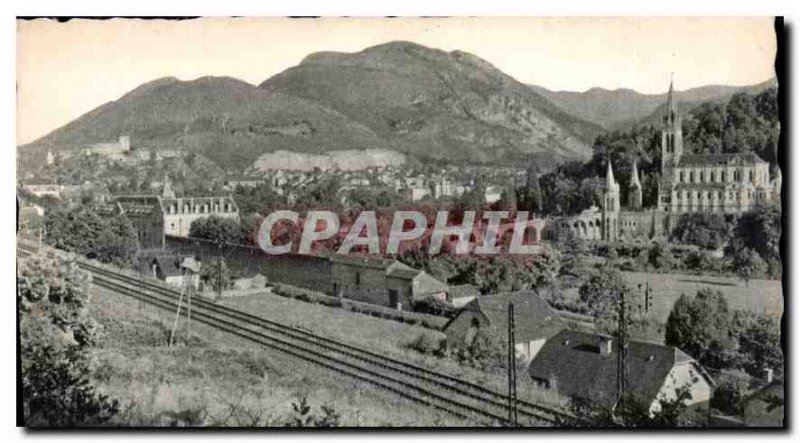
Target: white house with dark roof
(584, 366)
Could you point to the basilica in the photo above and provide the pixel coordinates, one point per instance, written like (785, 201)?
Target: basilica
(690, 183)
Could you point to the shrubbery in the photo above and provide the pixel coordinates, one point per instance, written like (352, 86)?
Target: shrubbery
(720, 338)
(55, 334)
(307, 295)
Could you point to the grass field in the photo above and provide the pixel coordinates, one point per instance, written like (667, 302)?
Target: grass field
(760, 296)
(223, 379)
(379, 335)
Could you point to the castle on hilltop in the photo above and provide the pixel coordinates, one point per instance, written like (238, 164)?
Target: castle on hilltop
(731, 183)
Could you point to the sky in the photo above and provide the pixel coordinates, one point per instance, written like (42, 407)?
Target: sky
(67, 69)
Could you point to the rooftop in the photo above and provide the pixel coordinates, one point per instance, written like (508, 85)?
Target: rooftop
(573, 363)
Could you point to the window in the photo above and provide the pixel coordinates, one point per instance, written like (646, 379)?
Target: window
(680, 178)
(702, 176)
(691, 176)
(712, 176)
(358, 279)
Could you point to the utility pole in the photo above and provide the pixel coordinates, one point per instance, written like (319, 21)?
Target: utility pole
(622, 349)
(512, 370)
(177, 316)
(219, 269)
(189, 289)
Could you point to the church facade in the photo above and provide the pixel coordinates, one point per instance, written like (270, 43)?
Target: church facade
(731, 183)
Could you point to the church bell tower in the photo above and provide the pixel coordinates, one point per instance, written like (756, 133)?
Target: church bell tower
(671, 136)
(610, 207)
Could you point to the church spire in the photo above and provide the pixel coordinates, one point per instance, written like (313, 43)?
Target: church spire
(635, 176)
(672, 113)
(610, 176)
(167, 192)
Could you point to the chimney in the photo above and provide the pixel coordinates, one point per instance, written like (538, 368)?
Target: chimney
(605, 347)
(768, 374)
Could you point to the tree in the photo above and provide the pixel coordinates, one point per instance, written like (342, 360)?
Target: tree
(215, 274)
(700, 326)
(708, 231)
(660, 257)
(760, 345)
(55, 334)
(747, 264)
(630, 412)
(217, 229)
(81, 230)
(574, 253)
(530, 195)
(508, 200)
(759, 230)
(601, 291)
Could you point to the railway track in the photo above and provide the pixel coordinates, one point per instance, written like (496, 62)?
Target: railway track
(458, 397)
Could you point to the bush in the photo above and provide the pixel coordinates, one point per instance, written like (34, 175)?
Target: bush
(55, 334)
(727, 396)
(487, 351)
(426, 344)
(433, 306)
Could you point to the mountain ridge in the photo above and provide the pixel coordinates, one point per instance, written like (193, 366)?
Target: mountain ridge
(624, 107)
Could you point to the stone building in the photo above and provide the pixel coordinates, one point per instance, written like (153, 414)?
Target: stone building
(146, 213)
(179, 213)
(156, 216)
(730, 183)
(382, 281)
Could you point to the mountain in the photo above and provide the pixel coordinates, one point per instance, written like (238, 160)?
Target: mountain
(398, 96)
(227, 120)
(622, 108)
(450, 105)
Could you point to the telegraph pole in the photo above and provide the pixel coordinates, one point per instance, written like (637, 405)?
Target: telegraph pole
(219, 269)
(512, 370)
(622, 349)
(177, 316)
(189, 289)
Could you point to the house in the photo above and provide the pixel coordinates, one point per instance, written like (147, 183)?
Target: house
(382, 281)
(492, 194)
(43, 189)
(460, 295)
(584, 365)
(156, 216)
(765, 407)
(170, 270)
(535, 321)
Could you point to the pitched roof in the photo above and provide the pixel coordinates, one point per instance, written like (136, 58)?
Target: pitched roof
(460, 291)
(719, 159)
(573, 363)
(168, 265)
(534, 318)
